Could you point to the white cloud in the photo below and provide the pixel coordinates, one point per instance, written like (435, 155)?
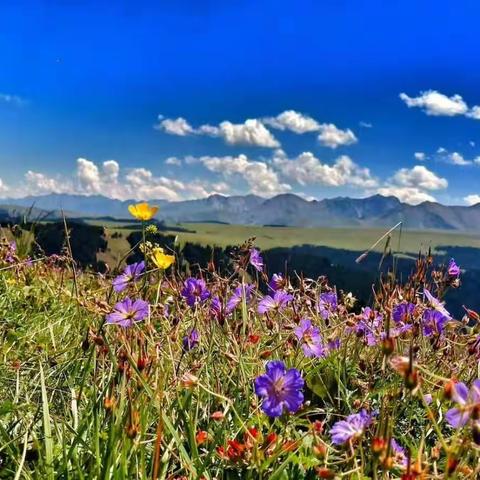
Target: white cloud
(413, 185)
(306, 169)
(457, 159)
(365, 124)
(293, 121)
(472, 199)
(178, 126)
(410, 195)
(441, 150)
(261, 179)
(12, 99)
(420, 156)
(419, 177)
(333, 137)
(177, 162)
(476, 160)
(252, 132)
(474, 112)
(38, 184)
(436, 103)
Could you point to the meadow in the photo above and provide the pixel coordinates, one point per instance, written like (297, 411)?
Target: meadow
(146, 374)
(406, 242)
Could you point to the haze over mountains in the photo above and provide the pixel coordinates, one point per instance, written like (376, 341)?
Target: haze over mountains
(286, 209)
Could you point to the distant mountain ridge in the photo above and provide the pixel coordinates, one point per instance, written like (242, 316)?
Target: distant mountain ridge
(286, 209)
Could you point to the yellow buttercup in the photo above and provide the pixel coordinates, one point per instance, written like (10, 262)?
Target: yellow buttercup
(161, 259)
(142, 211)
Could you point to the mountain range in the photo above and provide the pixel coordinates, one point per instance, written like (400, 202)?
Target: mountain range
(285, 210)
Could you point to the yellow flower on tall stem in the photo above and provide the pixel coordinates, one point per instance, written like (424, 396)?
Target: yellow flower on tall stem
(142, 211)
(161, 259)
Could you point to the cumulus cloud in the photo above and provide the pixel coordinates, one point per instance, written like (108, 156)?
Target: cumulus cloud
(413, 185)
(410, 195)
(110, 180)
(419, 177)
(472, 199)
(457, 159)
(420, 156)
(306, 169)
(333, 137)
(436, 103)
(293, 121)
(252, 132)
(174, 126)
(261, 179)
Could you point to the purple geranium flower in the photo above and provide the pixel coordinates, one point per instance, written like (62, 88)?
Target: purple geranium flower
(353, 427)
(402, 312)
(311, 339)
(191, 340)
(436, 304)
(195, 291)
(11, 252)
(276, 282)
(127, 312)
(369, 326)
(327, 304)
(240, 292)
(280, 389)
(279, 301)
(468, 402)
(399, 454)
(256, 259)
(130, 274)
(453, 269)
(433, 322)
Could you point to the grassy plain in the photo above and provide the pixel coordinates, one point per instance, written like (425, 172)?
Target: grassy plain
(356, 239)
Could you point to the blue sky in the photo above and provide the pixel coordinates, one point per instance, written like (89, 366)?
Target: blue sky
(253, 96)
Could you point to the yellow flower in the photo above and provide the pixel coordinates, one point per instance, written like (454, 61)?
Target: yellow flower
(142, 211)
(161, 259)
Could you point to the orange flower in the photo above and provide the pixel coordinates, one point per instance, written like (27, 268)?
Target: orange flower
(142, 211)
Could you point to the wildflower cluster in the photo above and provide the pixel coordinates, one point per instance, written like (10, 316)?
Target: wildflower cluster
(252, 374)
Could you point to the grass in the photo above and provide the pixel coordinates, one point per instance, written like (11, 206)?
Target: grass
(410, 241)
(83, 399)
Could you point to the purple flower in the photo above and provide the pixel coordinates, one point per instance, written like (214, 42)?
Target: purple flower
(369, 326)
(399, 454)
(453, 269)
(191, 340)
(433, 322)
(240, 292)
(256, 259)
(276, 282)
(327, 304)
(278, 302)
(402, 312)
(11, 252)
(131, 273)
(436, 304)
(216, 307)
(280, 389)
(353, 427)
(311, 339)
(468, 401)
(195, 291)
(127, 312)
